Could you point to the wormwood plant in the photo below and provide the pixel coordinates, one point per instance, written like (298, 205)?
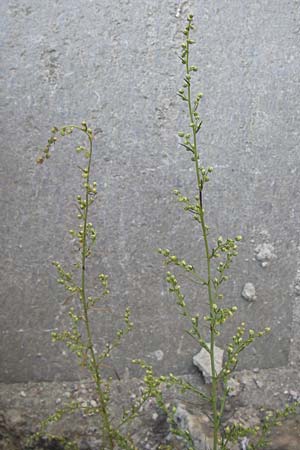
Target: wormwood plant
(79, 337)
(218, 256)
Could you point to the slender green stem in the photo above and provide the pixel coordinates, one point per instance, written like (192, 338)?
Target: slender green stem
(200, 184)
(107, 435)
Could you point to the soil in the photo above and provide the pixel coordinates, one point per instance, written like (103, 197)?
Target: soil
(22, 406)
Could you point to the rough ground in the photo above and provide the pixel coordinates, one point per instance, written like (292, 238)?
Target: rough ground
(22, 406)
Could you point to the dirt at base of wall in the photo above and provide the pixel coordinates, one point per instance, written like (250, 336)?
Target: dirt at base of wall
(23, 406)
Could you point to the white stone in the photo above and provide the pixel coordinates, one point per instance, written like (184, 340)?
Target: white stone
(202, 361)
(158, 355)
(265, 254)
(248, 292)
(259, 383)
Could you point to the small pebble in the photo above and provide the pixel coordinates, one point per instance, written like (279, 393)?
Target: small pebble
(259, 384)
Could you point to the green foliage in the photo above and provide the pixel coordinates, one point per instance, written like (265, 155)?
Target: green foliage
(219, 255)
(79, 337)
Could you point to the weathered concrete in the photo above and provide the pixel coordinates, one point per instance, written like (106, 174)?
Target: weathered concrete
(116, 67)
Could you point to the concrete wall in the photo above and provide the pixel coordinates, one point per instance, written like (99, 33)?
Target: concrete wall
(114, 64)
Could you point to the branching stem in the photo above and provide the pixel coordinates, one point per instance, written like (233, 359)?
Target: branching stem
(204, 229)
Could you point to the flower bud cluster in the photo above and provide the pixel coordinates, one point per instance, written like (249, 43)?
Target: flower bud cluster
(88, 231)
(91, 301)
(86, 130)
(218, 316)
(74, 317)
(185, 94)
(236, 431)
(153, 390)
(121, 332)
(91, 188)
(65, 278)
(46, 151)
(91, 232)
(103, 280)
(152, 382)
(239, 342)
(229, 248)
(204, 174)
(67, 130)
(175, 288)
(64, 131)
(72, 339)
(185, 45)
(173, 259)
(193, 208)
(181, 198)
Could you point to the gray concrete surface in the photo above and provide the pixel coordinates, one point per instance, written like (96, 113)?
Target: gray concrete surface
(114, 64)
